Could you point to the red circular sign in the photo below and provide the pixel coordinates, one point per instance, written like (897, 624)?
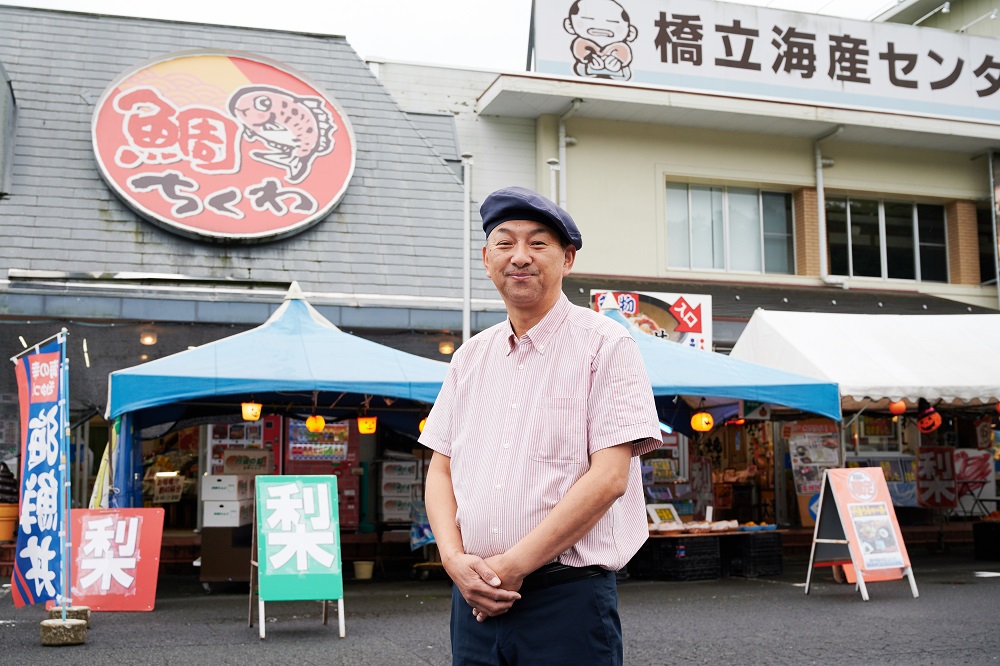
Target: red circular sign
(223, 147)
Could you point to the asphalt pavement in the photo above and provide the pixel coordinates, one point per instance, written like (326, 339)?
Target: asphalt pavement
(767, 620)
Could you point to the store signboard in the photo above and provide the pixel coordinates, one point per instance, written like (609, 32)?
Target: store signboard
(683, 318)
(753, 52)
(298, 538)
(857, 526)
(222, 146)
(116, 558)
(937, 486)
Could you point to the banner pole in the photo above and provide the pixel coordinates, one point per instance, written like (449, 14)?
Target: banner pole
(37, 345)
(67, 590)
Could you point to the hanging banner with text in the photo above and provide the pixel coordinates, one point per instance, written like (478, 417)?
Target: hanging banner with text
(116, 558)
(298, 538)
(754, 52)
(38, 556)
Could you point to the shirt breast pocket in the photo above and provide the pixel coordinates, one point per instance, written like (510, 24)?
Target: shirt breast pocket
(563, 430)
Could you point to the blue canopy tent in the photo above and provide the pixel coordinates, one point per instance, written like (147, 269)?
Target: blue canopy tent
(683, 377)
(296, 363)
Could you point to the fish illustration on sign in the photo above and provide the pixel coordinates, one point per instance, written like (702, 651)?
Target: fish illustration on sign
(296, 130)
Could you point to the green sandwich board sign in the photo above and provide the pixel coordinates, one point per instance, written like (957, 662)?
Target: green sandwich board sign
(298, 541)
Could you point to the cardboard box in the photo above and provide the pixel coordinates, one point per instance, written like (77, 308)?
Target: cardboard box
(227, 513)
(246, 461)
(227, 487)
(398, 488)
(395, 509)
(400, 470)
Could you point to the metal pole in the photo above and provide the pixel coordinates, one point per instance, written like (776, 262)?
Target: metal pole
(553, 168)
(466, 247)
(994, 204)
(67, 582)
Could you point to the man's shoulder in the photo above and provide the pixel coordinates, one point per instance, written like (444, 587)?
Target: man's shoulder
(480, 340)
(594, 321)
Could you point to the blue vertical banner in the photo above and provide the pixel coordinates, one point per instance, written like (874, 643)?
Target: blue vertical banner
(43, 394)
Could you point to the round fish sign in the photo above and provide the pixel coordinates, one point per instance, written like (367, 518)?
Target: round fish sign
(223, 147)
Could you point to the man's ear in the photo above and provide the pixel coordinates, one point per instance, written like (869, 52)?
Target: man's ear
(568, 26)
(633, 32)
(568, 259)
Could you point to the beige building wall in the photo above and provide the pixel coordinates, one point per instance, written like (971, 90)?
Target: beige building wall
(617, 171)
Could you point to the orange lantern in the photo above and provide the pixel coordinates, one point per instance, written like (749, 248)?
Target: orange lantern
(897, 407)
(367, 424)
(702, 422)
(315, 423)
(423, 422)
(251, 410)
(998, 408)
(928, 421)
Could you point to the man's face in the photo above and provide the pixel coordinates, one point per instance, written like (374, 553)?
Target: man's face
(601, 22)
(527, 262)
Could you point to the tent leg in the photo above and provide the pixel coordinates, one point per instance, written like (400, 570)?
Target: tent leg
(326, 608)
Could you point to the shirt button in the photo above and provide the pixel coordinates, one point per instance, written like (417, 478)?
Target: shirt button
(497, 486)
(513, 406)
(521, 367)
(495, 531)
(506, 445)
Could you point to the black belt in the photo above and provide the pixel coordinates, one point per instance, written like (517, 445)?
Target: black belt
(554, 574)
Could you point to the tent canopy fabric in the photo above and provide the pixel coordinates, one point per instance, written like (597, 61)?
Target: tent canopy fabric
(676, 370)
(295, 353)
(946, 359)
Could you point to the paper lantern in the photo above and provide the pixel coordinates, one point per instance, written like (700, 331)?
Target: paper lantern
(702, 422)
(367, 424)
(251, 410)
(420, 426)
(315, 423)
(928, 421)
(898, 407)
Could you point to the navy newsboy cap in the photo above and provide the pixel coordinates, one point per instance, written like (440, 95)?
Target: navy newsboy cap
(520, 203)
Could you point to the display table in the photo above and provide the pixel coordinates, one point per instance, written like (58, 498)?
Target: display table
(681, 557)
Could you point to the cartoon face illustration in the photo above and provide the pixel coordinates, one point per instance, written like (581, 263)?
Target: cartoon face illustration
(296, 130)
(603, 30)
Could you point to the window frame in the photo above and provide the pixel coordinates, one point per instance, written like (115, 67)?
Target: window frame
(883, 249)
(762, 236)
(8, 131)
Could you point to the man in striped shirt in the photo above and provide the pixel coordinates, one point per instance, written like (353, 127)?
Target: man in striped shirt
(534, 492)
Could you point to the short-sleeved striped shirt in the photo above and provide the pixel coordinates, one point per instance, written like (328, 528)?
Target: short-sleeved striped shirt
(519, 419)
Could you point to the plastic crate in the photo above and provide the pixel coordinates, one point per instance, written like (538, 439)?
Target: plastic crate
(986, 540)
(678, 559)
(752, 554)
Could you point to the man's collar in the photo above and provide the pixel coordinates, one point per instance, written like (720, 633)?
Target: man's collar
(540, 334)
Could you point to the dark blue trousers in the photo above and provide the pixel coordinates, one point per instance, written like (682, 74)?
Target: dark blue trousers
(575, 624)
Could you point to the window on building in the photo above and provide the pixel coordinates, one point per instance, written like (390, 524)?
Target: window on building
(7, 116)
(987, 246)
(729, 229)
(900, 240)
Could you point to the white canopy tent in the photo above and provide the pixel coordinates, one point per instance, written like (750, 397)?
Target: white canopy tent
(951, 360)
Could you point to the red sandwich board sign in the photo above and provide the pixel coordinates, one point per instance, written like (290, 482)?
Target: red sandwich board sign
(856, 525)
(116, 558)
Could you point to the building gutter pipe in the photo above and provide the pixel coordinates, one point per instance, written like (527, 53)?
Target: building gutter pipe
(824, 272)
(562, 149)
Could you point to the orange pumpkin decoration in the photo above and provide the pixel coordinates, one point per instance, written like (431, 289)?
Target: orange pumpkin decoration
(897, 407)
(702, 422)
(928, 420)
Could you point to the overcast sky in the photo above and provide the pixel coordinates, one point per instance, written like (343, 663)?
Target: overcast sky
(486, 34)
